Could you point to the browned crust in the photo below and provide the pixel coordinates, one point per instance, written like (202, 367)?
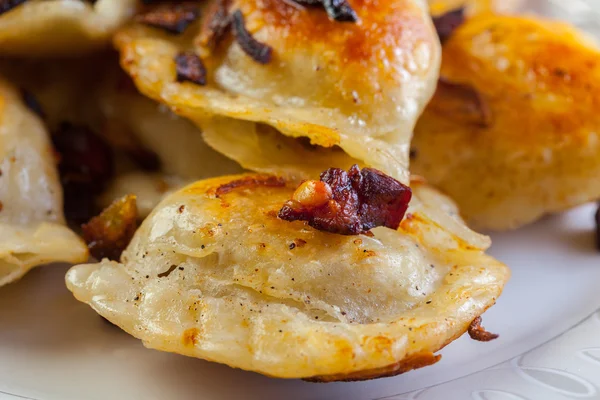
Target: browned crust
(249, 182)
(414, 361)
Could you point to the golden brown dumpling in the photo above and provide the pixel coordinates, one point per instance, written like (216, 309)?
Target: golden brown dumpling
(512, 132)
(32, 230)
(59, 27)
(213, 273)
(94, 93)
(474, 6)
(355, 86)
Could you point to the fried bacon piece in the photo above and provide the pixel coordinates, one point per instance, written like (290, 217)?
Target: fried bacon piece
(349, 203)
(597, 217)
(260, 52)
(190, 68)
(173, 18)
(108, 234)
(7, 5)
(85, 166)
(338, 10)
(478, 332)
(447, 23)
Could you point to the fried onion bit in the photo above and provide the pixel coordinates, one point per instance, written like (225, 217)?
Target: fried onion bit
(216, 24)
(7, 5)
(337, 10)
(173, 18)
(349, 203)
(259, 51)
(108, 234)
(447, 23)
(190, 68)
(478, 332)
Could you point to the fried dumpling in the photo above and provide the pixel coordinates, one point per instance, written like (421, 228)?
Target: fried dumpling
(32, 229)
(512, 132)
(358, 86)
(213, 273)
(59, 27)
(176, 142)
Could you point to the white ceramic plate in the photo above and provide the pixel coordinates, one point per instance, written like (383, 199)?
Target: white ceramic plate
(54, 348)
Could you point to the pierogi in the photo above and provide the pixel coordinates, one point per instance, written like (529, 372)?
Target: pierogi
(213, 273)
(512, 132)
(354, 88)
(32, 226)
(36, 28)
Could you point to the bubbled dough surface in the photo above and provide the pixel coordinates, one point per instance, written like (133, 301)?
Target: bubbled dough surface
(239, 293)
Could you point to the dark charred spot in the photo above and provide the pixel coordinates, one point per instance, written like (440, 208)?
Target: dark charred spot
(85, 167)
(171, 17)
(447, 23)
(349, 203)
(462, 103)
(337, 10)
(190, 68)
(477, 332)
(597, 217)
(248, 182)
(32, 103)
(108, 234)
(216, 24)
(7, 5)
(259, 52)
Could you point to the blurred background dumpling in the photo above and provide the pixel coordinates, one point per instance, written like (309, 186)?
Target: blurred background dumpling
(36, 28)
(32, 225)
(512, 131)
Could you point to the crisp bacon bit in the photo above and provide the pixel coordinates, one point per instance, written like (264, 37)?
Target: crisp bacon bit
(268, 181)
(598, 228)
(260, 52)
(32, 103)
(447, 23)
(216, 24)
(349, 203)
(190, 68)
(462, 103)
(478, 332)
(85, 166)
(7, 5)
(338, 10)
(173, 18)
(108, 234)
